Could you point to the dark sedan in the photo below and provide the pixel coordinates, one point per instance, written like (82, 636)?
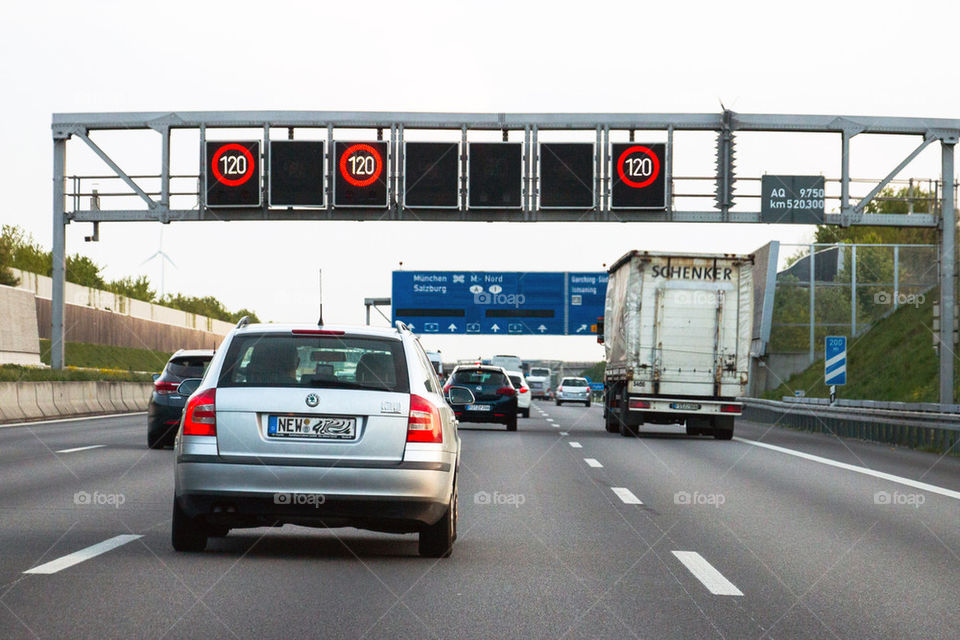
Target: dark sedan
(166, 405)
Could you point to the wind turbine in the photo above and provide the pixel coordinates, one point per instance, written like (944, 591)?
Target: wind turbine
(164, 258)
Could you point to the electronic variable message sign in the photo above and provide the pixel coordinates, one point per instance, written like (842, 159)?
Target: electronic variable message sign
(638, 175)
(360, 174)
(496, 175)
(232, 174)
(792, 199)
(296, 173)
(566, 175)
(431, 175)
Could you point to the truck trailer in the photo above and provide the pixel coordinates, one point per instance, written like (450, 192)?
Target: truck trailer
(676, 332)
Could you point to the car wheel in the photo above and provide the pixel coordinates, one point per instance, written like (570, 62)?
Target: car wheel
(436, 541)
(218, 531)
(559, 403)
(587, 404)
(512, 423)
(526, 412)
(187, 534)
(155, 440)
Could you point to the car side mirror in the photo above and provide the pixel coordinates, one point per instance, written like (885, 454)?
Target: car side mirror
(188, 386)
(460, 395)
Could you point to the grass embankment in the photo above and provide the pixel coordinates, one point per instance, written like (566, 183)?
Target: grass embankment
(90, 362)
(894, 361)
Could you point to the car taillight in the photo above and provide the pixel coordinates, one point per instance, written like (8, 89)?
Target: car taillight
(523, 389)
(165, 388)
(729, 408)
(200, 416)
(638, 404)
(316, 332)
(559, 389)
(506, 391)
(424, 424)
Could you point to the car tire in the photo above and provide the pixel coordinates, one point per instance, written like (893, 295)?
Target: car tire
(526, 412)
(587, 404)
(155, 440)
(218, 531)
(512, 423)
(559, 403)
(436, 540)
(187, 534)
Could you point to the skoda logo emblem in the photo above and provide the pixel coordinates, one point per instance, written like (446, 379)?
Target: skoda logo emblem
(313, 400)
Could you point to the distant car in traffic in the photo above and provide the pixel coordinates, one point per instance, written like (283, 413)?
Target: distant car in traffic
(318, 426)
(540, 381)
(166, 405)
(573, 389)
(509, 363)
(495, 397)
(523, 392)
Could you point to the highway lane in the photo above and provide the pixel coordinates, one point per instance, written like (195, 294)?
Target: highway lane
(547, 547)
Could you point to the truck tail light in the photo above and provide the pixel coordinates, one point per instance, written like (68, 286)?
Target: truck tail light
(200, 416)
(424, 424)
(635, 403)
(165, 387)
(729, 408)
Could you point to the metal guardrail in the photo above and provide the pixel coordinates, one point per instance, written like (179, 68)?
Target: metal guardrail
(916, 425)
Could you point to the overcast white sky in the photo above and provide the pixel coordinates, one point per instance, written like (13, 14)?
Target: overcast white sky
(881, 58)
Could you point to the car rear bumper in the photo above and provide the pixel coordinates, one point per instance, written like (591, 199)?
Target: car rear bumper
(399, 497)
(486, 416)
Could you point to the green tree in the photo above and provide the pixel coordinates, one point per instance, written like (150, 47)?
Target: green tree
(138, 289)
(889, 200)
(25, 253)
(6, 261)
(83, 271)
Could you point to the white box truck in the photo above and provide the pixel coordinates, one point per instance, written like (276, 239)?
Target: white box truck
(676, 331)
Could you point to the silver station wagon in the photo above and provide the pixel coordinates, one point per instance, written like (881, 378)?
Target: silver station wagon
(318, 426)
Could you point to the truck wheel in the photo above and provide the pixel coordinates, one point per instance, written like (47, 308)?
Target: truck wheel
(723, 428)
(609, 423)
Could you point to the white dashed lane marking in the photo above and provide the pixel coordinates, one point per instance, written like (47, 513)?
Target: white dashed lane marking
(626, 495)
(77, 557)
(576, 445)
(75, 449)
(703, 571)
(593, 462)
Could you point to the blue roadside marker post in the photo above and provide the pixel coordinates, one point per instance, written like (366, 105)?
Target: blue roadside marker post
(835, 364)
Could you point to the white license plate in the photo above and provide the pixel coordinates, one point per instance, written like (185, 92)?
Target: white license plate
(478, 407)
(685, 406)
(315, 427)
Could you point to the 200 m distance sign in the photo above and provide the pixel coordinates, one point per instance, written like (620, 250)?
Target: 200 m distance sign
(233, 174)
(360, 174)
(638, 175)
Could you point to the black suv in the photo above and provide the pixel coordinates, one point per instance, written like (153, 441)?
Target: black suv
(166, 405)
(495, 397)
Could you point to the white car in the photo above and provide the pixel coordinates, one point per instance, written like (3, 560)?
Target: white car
(523, 392)
(540, 382)
(573, 390)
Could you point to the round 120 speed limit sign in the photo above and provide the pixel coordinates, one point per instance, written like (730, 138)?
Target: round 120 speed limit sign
(360, 174)
(233, 174)
(638, 176)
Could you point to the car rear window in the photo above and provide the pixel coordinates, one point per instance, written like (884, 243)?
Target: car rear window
(187, 367)
(516, 381)
(345, 362)
(480, 377)
(574, 382)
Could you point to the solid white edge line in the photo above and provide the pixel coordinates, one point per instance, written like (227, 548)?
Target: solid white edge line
(923, 486)
(87, 448)
(593, 462)
(626, 495)
(106, 415)
(575, 444)
(705, 572)
(77, 557)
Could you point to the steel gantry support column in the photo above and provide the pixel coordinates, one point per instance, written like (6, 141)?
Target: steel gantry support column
(59, 254)
(948, 234)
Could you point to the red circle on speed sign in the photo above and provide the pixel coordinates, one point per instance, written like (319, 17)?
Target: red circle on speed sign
(377, 160)
(629, 151)
(232, 182)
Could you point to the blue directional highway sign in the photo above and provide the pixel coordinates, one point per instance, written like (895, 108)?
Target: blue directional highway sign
(835, 362)
(499, 302)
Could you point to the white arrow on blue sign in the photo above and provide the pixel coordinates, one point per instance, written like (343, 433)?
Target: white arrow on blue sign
(835, 361)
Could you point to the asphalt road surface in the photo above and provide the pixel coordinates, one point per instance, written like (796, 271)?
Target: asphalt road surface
(566, 531)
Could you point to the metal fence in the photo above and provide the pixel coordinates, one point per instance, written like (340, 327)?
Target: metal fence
(843, 289)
